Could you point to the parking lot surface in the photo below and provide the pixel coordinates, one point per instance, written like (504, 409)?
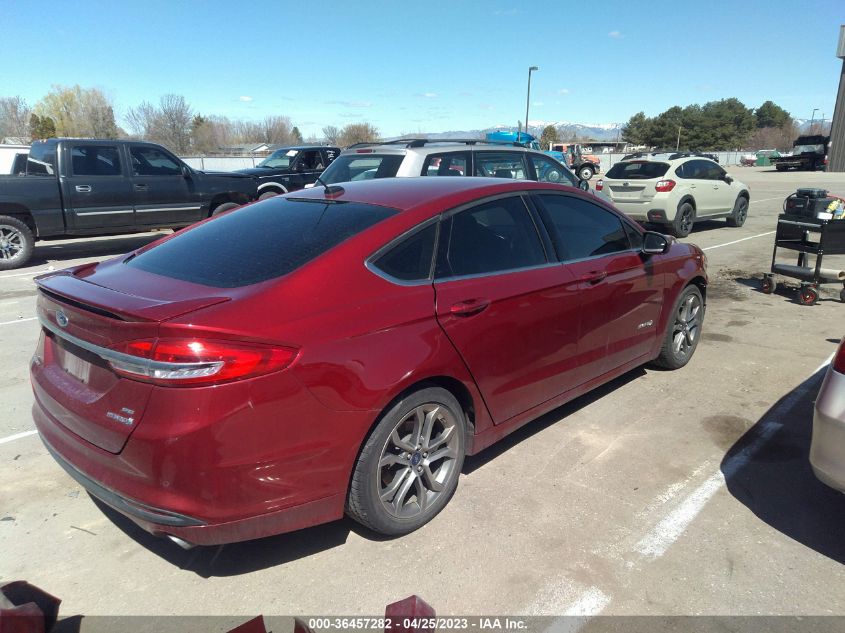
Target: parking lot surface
(685, 492)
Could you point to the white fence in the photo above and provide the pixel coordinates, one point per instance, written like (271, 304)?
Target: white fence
(231, 163)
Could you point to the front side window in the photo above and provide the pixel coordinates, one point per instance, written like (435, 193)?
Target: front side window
(549, 170)
(95, 160)
(452, 164)
(501, 165)
(410, 260)
(492, 237)
(352, 167)
(581, 229)
(149, 161)
(280, 159)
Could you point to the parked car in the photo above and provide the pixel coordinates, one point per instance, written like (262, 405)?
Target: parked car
(675, 190)
(376, 333)
(827, 448)
(461, 157)
(291, 168)
(96, 187)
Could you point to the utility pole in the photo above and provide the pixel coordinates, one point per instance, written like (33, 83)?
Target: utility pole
(813, 119)
(678, 144)
(528, 98)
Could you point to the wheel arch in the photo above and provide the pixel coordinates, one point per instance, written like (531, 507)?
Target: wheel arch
(687, 198)
(21, 213)
(272, 185)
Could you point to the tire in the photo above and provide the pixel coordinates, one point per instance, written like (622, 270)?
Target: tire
(16, 243)
(740, 212)
(807, 295)
(768, 285)
(683, 330)
(222, 208)
(585, 172)
(268, 194)
(684, 219)
(393, 471)
(780, 167)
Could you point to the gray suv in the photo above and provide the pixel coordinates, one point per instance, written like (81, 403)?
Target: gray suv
(432, 157)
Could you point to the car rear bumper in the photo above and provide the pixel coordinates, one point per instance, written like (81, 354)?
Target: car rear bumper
(827, 449)
(222, 464)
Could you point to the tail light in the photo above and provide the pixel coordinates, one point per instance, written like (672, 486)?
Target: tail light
(664, 185)
(599, 184)
(839, 359)
(197, 362)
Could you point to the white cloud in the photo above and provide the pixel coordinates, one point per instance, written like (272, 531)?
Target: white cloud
(615, 35)
(427, 95)
(563, 91)
(245, 99)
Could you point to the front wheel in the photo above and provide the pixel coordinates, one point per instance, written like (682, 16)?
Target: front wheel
(585, 172)
(409, 466)
(16, 243)
(683, 330)
(739, 213)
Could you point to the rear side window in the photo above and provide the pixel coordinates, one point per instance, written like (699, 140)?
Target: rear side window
(637, 170)
(410, 260)
(454, 164)
(95, 160)
(581, 229)
(41, 160)
(361, 167)
(272, 240)
(495, 236)
(501, 165)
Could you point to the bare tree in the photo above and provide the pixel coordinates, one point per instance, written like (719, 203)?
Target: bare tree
(332, 134)
(358, 133)
(276, 129)
(169, 123)
(14, 117)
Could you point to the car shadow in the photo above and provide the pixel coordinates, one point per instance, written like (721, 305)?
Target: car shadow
(60, 250)
(474, 462)
(768, 471)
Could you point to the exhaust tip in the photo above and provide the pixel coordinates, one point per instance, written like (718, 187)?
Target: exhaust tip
(180, 542)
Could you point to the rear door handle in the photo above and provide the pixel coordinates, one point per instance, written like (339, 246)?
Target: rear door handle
(83, 188)
(469, 307)
(593, 277)
(141, 187)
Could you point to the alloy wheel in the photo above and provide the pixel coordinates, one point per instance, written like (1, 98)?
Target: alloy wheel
(686, 328)
(11, 242)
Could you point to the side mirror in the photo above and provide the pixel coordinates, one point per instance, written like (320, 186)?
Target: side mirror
(654, 243)
(584, 185)
(186, 171)
(728, 178)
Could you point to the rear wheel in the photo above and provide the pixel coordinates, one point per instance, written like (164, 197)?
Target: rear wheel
(684, 219)
(221, 208)
(683, 330)
(16, 243)
(740, 212)
(409, 466)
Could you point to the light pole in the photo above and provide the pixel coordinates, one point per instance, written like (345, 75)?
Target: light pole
(678, 144)
(813, 119)
(528, 98)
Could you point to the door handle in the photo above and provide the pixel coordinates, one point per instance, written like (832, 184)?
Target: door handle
(469, 307)
(83, 188)
(692, 186)
(141, 187)
(593, 277)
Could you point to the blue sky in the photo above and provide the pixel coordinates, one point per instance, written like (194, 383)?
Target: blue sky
(427, 66)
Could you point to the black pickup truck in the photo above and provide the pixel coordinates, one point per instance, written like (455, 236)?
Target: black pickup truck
(94, 187)
(808, 153)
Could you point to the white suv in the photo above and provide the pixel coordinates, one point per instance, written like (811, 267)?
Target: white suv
(433, 157)
(675, 190)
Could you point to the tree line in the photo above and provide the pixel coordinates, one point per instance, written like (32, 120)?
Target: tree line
(726, 124)
(88, 113)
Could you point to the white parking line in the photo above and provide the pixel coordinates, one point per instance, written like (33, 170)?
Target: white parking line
(767, 199)
(17, 436)
(19, 321)
(709, 248)
(29, 274)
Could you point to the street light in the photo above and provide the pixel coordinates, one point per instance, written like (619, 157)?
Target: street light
(528, 98)
(812, 119)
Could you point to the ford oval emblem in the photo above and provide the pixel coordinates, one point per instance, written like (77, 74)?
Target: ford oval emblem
(61, 318)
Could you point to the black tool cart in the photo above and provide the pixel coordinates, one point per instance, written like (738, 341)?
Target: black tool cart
(812, 222)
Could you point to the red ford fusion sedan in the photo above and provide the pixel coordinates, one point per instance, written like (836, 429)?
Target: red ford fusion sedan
(342, 349)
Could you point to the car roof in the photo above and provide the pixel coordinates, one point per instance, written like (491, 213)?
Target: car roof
(406, 194)
(434, 146)
(301, 147)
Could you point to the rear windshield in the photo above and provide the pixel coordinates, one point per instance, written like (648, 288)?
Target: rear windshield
(637, 170)
(259, 242)
(361, 167)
